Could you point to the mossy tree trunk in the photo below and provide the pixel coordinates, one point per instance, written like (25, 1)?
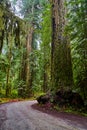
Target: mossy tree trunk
(45, 75)
(26, 77)
(28, 62)
(8, 73)
(61, 70)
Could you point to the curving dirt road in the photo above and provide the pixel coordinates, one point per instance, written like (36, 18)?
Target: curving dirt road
(21, 116)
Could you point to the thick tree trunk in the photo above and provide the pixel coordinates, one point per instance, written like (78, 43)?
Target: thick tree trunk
(61, 70)
(28, 64)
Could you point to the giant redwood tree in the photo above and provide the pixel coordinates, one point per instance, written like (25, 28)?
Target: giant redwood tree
(61, 70)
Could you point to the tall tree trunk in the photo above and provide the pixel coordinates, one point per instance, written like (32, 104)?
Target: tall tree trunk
(8, 74)
(45, 85)
(22, 74)
(45, 71)
(7, 82)
(25, 87)
(61, 70)
(28, 64)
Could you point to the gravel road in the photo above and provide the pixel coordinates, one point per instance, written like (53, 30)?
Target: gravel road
(21, 116)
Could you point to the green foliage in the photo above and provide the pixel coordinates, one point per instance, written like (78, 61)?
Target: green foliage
(13, 64)
(77, 30)
(46, 30)
(45, 47)
(40, 56)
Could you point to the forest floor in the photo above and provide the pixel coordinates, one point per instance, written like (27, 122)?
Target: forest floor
(27, 115)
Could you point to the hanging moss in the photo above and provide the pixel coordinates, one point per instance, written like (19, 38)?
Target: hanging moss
(1, 27)
(17, 33)
(10, 25)
(1, 18)
(1, 40)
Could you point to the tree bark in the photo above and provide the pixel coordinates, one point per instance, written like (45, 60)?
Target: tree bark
(8, 74)
(61, 70)
(28, 64)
